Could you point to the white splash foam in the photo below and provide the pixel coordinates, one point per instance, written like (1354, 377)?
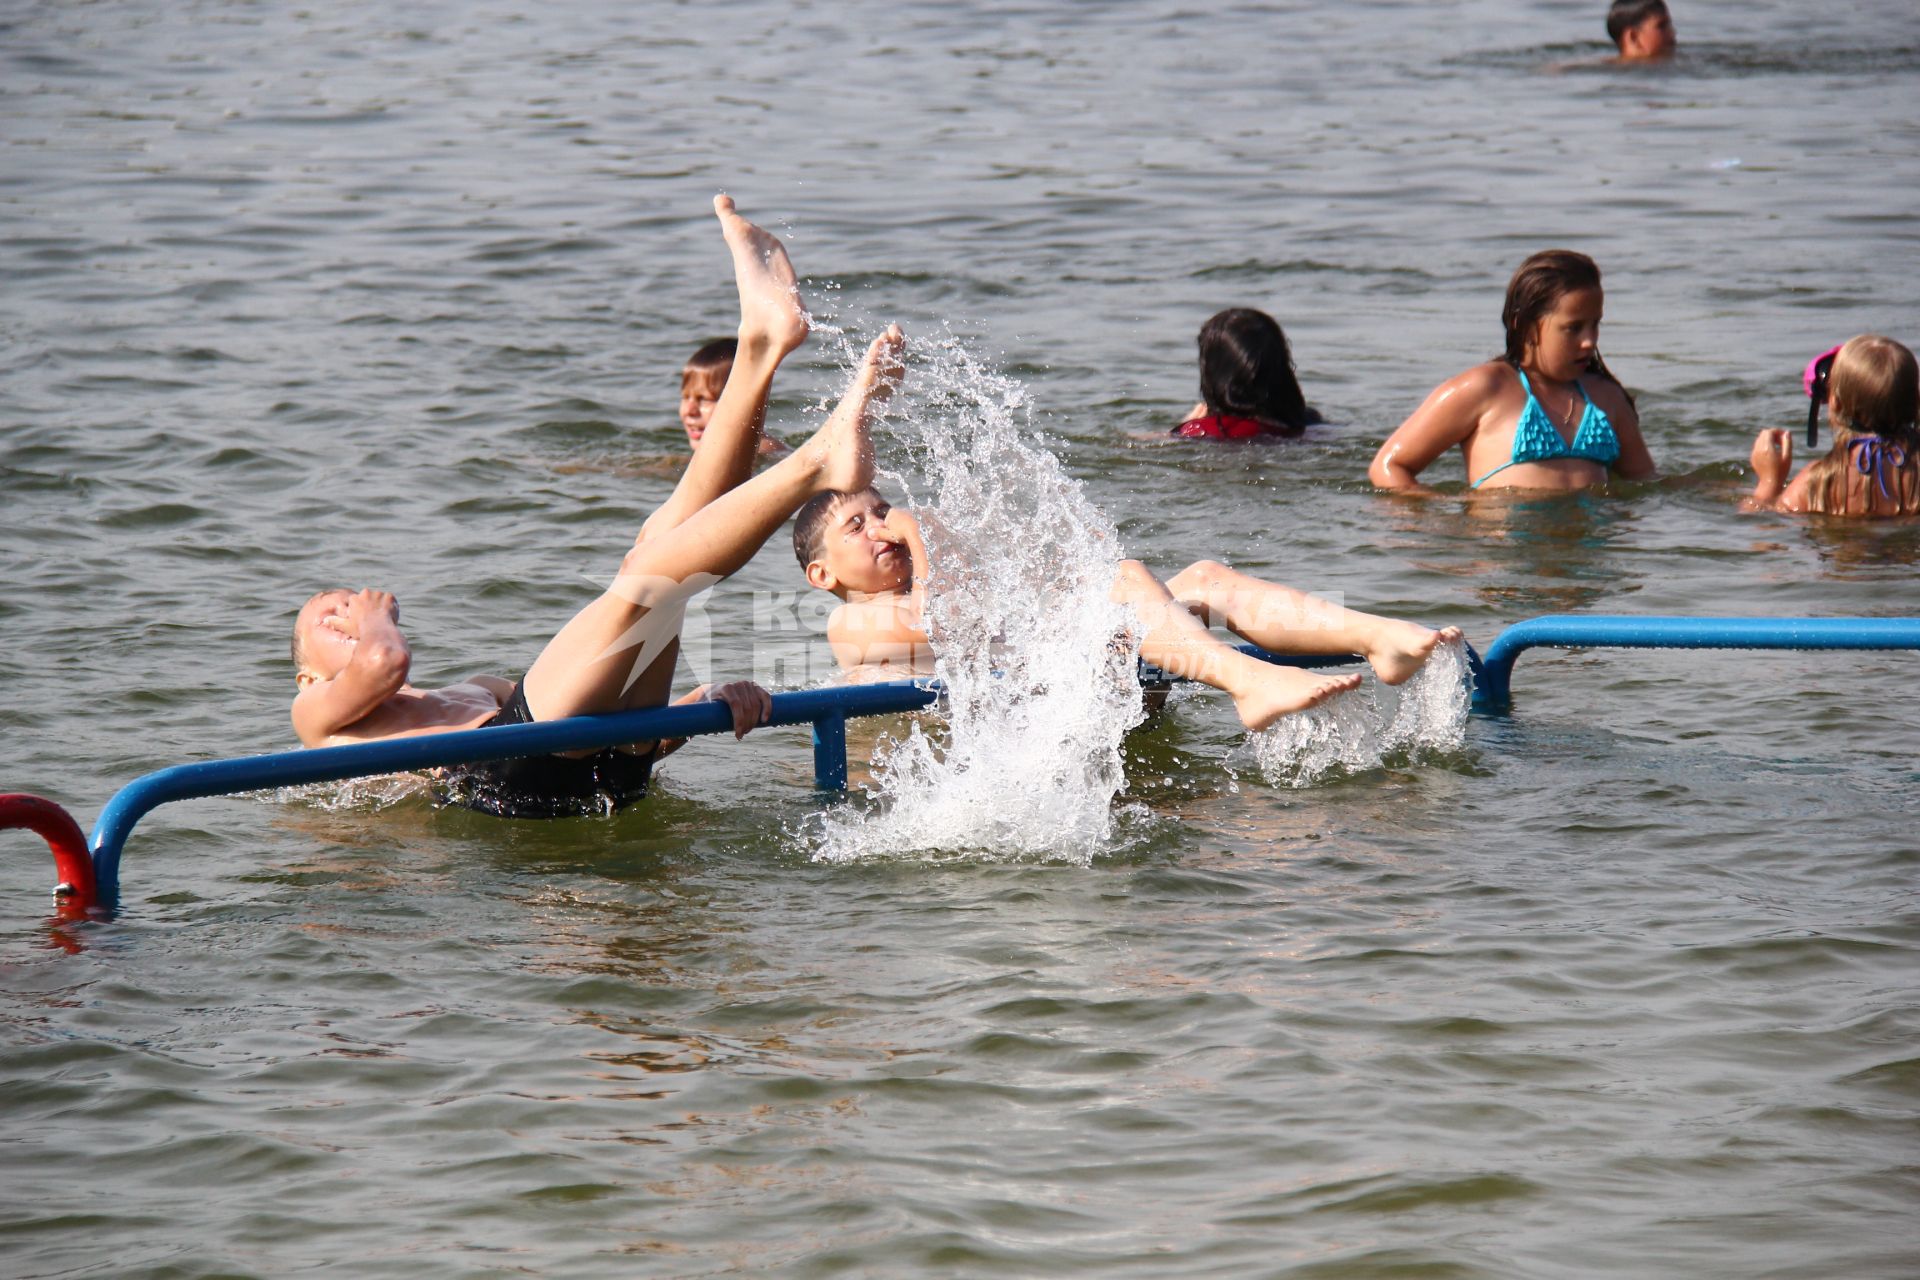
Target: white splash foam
(1039, 691)
(376, 792)
(1427, 715)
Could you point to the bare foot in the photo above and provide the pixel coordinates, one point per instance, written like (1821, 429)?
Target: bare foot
(1401, 647)
(1278, 691)
(842, 449)
(771, 317)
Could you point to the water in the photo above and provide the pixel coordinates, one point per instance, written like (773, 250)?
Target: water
(1622, 985)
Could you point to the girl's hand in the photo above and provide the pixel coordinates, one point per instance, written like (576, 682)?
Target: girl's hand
(1772, 457)
(750, 703)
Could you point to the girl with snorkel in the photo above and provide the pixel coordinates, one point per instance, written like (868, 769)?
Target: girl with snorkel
(1871, 387)
(1545, 414)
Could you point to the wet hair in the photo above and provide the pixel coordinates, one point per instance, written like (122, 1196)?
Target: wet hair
(1246, 370)
(1625, 15)
(1536, 288)
(810, 523)
(716, 359)
(1875, 389)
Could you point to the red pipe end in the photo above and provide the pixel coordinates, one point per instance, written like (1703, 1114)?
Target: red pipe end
(71, 861)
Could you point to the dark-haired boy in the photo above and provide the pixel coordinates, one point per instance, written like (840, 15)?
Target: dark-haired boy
(1642, 30)
(872, 556)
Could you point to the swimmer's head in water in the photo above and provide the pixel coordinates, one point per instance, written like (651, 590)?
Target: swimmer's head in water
(1246, 370)
(702, 379)
(1874, 389)
(834, 539)
(1551, 300)
(1641, 29)
(321, 648)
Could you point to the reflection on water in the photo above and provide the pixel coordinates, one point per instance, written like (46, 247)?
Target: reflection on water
(307, 295)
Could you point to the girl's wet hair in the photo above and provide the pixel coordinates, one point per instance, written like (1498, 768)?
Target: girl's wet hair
(1246, 371)
(1875, 391)
(1536, 288)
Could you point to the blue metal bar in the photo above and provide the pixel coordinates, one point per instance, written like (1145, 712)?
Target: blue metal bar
(399, 755)
(1492, 682)
(830, 752)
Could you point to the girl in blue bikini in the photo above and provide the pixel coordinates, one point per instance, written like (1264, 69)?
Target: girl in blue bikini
(1546, 414)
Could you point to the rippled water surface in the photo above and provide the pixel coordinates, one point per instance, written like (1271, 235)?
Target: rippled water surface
(397, 295)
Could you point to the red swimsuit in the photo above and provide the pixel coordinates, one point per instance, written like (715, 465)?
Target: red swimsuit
(1223, 426)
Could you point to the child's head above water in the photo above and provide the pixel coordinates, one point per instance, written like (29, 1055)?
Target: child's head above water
(834, 539)
(702, 379)
(1246, 370)
(1641, 29)
(1874, 389)
(1552, 315)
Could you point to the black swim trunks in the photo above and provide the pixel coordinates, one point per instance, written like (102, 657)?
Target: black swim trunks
(548, 786)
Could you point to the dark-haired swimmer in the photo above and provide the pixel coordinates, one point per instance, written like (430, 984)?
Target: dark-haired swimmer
(702, 379)
(1642, 30)
(1546, 413)
(1247, 384)
(872, 556)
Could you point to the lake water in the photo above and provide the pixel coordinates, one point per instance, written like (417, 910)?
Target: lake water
(398, 295)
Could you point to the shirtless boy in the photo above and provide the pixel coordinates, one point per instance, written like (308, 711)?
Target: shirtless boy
(619, 651)
(872, 556)
(1642, 30)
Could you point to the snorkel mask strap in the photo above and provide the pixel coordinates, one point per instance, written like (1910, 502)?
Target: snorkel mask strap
(1815, 381)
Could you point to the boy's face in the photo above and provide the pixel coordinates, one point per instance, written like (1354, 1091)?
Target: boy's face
(1653, 38)
(854, 554)
(699, 392)
(326, 643)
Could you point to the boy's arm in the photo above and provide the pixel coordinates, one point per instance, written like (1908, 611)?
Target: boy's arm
(750, 703)
(902, 528)
(375, 672)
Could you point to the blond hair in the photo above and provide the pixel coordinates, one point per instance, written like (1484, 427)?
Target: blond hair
(1874, 391)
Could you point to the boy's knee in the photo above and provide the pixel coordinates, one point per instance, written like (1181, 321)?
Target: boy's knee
(1196, 574)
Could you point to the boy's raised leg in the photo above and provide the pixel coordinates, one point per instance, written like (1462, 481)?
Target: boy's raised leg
(772, 325)
(1285, 620)
(618, 651)
(1179, 643)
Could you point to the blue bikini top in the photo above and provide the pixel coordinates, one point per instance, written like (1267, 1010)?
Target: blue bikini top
(1536, 439)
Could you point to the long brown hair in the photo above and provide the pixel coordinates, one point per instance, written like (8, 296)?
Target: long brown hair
(1246, 369)
(1875, 391)
(1542, 280)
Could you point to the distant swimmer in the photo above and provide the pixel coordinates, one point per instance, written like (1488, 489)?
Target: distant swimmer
(702, 379)
(618, 653)
(1546, 413)
(872, 556)
(1248, 387)
(1641, 30)
(1871, 390)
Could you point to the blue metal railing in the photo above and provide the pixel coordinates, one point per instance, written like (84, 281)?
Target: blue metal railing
(830, 707)
(1493, 677)
(828, 710)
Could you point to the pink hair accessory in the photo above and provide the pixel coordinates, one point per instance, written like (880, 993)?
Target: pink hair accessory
(1812, 374)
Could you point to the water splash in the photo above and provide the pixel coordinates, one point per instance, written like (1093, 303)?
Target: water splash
(374, 792)
(1425, 715)
(1040, 687)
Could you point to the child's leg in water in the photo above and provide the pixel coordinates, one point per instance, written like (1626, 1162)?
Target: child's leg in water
(590, 666)
(1179, 643)
(1288, 621)
(772, 325)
